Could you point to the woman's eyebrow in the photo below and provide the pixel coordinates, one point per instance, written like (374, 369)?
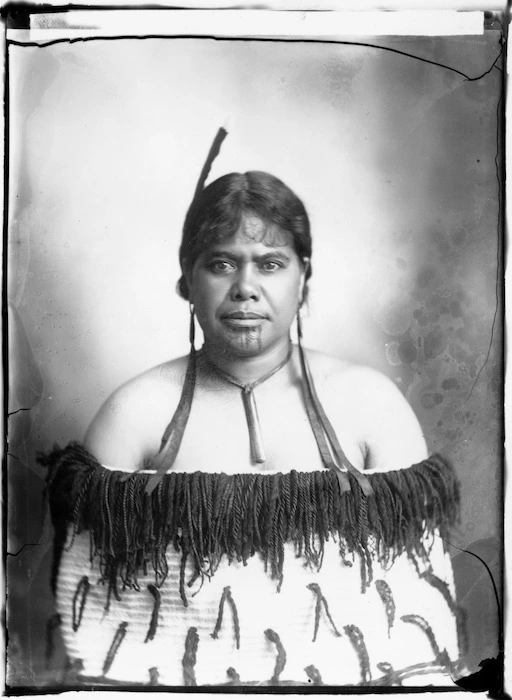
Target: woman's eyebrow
(235, 255)
(273, 254)
(214, 253)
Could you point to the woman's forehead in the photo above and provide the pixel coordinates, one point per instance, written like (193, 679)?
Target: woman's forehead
(253, 230)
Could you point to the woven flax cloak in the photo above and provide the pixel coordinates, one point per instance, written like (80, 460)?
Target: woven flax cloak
(196, 527)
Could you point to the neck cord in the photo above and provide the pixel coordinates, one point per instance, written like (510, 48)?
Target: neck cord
(247, 386)
(249, 402)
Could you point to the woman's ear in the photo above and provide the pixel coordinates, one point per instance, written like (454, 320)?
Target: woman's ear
(186, 271)
(302, 283)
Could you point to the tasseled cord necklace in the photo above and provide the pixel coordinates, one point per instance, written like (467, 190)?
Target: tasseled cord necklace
(249, 402)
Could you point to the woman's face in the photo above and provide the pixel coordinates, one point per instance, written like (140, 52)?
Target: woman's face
(246, 290)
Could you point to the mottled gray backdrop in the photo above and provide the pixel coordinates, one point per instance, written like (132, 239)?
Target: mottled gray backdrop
(396, 160)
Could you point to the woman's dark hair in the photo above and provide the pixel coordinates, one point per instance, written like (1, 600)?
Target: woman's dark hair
(216, 213)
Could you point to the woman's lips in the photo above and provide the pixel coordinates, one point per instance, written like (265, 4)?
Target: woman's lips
(244, 319)
(244, 322)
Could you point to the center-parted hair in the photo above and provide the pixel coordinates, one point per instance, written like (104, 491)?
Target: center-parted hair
(217, 211)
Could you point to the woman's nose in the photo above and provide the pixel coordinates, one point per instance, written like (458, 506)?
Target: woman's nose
(245, 286)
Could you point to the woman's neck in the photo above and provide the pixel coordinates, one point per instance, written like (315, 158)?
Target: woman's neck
(248, 369)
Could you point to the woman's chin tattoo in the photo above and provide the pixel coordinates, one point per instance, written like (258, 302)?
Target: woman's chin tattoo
(246, 338)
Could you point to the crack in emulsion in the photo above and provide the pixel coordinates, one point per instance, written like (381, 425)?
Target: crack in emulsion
(13, 413)
(20, 550)
(501, 638)
(498, 242)
(362, 44)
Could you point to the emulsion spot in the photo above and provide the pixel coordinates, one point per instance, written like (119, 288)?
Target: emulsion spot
(392, 355)
(456, 309)
(431, 400)
(450, 384)
(436, 343)
(407, 352)
(426, 276)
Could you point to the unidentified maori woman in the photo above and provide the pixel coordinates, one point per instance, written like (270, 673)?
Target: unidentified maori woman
(286, 526)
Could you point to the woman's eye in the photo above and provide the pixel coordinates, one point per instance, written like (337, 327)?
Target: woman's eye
(221, 266)
(270, 266)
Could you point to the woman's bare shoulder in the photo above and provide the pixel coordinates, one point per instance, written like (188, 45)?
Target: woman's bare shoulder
(129, 424)
(335, 370)
(366, 389)
(380, 413)
(148, 389)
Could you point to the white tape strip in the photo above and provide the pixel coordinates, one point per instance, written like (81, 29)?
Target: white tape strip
(249, 23)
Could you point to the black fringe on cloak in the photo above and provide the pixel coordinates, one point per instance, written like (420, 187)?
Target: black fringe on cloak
(210, 516)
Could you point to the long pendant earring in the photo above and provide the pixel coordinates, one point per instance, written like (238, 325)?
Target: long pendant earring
(299, 327)
(329, 447)
(192, 329)
(174, 432)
